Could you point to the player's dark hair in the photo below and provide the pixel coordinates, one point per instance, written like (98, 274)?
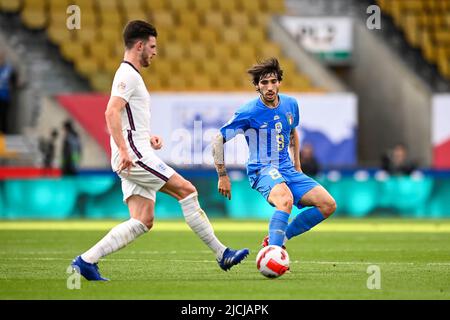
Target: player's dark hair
(265, 67)
(137, 30)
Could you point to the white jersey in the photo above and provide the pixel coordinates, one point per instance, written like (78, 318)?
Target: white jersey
(129, 85)
(149, 173)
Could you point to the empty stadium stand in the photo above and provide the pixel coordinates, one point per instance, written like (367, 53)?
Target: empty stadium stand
(426, 25)
(201, 43)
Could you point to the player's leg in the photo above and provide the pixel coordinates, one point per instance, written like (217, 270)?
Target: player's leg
(141, 220)
(186, 194)
(323, 206)
(281, 197)
(141, 203)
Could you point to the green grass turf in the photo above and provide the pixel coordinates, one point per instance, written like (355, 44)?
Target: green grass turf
(170, 262)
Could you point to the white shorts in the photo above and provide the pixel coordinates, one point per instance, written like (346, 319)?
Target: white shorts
(148, 175)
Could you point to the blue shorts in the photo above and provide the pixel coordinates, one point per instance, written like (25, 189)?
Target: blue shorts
(268, 177)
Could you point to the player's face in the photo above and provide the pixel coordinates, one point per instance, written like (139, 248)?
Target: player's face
(148, 51)
(268, 87)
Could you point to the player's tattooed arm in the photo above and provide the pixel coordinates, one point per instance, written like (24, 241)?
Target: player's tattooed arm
(294, 147)
(224, 185)
(218, 154)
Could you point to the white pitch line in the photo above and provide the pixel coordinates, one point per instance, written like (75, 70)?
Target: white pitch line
(213, 261)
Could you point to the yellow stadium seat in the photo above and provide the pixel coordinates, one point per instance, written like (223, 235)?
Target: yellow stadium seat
(187, 67)
(72, 50)
(86, 67)
(207, 36)
(240, 20)
(162, 19)
(89, 20)
(107, 5)
(215, 20)
(202, 5)
(246, 53)
(262, 20)
(250, 6)
(226, 83)
(34, 19)
(222, 51)
(102, 82)
(157, 5)
(136, 15)
(211, 67)
(110, 20)
(112, 64)
(59, 35)
(255, 35)
(235, 68)
(270, 49)
(101, 50)
(199, 51)
(10, 5)
(182, 36)
(110, 35)
(163, 67)
(178, 5)
(86, 34)
(173, 51)
(199, 82)
(176, 82)
(189, 20)
(273, 6)
(232, 36)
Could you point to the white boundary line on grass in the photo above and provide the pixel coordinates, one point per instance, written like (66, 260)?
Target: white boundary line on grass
(212, 261)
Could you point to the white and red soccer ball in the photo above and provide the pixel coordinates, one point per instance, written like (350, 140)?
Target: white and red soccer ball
(272, 261)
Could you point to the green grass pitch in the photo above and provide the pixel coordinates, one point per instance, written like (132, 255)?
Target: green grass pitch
(170, 262)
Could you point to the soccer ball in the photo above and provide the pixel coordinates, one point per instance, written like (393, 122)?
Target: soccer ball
(272, 261)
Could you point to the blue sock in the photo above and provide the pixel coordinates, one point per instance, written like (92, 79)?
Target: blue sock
(303, 222)
(277, 227)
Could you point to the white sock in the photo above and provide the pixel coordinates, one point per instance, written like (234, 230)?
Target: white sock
(117, 238)
(198, 221)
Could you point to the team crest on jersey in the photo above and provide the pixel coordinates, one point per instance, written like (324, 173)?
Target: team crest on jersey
(290, 118)
(121, 86)
(161, 167)
(278, 127)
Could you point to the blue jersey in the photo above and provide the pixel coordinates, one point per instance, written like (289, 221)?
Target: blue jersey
(267, 131)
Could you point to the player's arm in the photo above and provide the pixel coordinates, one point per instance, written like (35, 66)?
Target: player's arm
(224, 184)
(114, 123)
(294, 148)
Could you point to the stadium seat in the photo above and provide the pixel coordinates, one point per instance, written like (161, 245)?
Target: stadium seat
(202, 5)
(156, 5)
(187, 68)
(35, 18)
(11, 6)
(178, 5)
(72, 50)
(216, 39)
(199, 51)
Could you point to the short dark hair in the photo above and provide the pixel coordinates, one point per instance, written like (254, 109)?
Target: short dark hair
(137, 30)
(265, 67)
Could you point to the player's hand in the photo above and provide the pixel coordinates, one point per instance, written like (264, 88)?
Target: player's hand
(156, 142)
(298, 168)
(125, 162)
(225, 187)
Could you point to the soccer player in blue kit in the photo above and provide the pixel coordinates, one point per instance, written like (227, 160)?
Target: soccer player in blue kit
(269, 124)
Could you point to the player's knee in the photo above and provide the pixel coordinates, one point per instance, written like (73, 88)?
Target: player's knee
(186, 189)
(329, 207)
(285, 203)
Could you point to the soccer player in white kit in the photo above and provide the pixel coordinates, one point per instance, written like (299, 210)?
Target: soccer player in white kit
(142, 173)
